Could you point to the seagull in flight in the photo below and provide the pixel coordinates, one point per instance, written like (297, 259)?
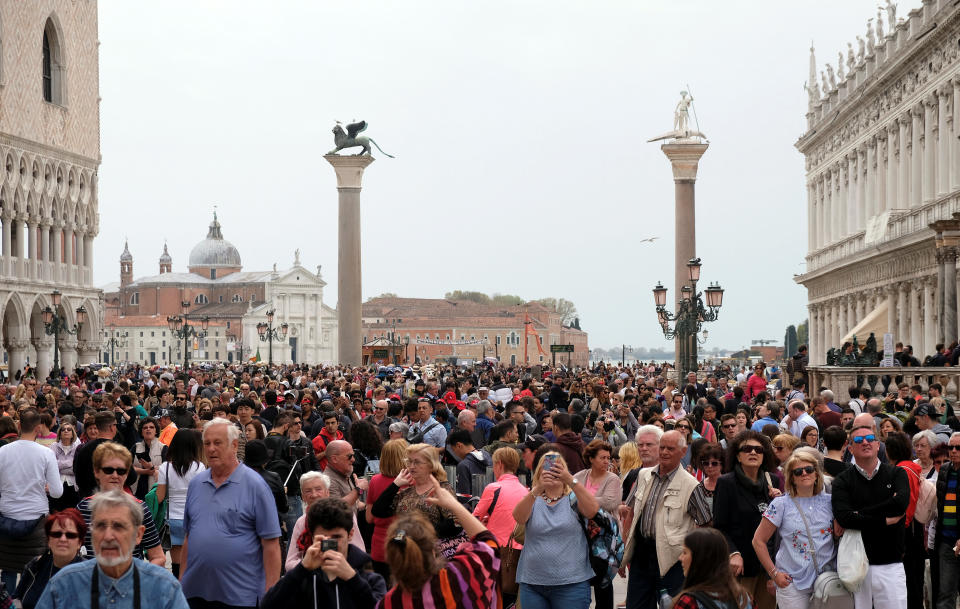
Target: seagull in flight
(648, 240)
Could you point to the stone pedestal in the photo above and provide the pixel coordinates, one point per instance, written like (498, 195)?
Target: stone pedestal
(684, 160)
(349, 170)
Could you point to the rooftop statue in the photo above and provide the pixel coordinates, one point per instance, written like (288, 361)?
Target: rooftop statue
(851, 58)
(840, 65)
(681, 122)
(870, 41)
(891, 16)
(352, 139)
(826, 84)
(880, 24)
(862, 50)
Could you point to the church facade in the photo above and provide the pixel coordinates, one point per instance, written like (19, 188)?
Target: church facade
(216, 288)
(49, 158)
(882, 159)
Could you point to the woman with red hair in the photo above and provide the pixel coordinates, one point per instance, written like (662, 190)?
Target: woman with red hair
(65, 532)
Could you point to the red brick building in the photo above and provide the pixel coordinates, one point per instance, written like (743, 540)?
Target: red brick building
(435, 328)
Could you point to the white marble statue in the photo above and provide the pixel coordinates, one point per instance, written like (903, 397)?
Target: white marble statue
(891, 16)
(851, 58)
(870, 40)
(831, 77)
(862, 50)
(880, 25)
(681, 122)
(840, 66)
(826, 84)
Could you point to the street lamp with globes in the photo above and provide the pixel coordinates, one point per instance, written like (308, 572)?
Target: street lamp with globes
(181, 328)
(691, 313)
(268, 333)
(54, 323)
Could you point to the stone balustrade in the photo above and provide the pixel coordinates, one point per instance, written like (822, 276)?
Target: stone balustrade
(839, 379)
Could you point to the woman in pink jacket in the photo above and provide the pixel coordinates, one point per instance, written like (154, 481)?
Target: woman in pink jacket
(495, 508)
(757, 381)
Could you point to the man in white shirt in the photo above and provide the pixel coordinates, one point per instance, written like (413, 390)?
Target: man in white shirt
(28, 471)
(798, 419)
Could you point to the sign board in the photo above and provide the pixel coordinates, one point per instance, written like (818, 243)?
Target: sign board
(561, 348)
(887, 361)
(231, 346)
(381, 353)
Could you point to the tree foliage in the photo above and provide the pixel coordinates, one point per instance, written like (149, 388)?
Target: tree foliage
(803, 334)
(507, 300)
(790, 342)
(566, 309)
(384, 295)
(477, 297)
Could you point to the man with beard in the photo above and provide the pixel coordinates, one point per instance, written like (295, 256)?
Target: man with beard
(115, 579)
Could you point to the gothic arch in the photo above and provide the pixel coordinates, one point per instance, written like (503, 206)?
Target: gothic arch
(53, 70)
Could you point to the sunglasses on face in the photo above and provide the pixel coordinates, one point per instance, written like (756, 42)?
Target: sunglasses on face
(808, 469)
(67, 534)
(862, 439)
(120, 471)
(751, 448)
(951, 447)
(687, 427)
(711, 464)
(729, 425)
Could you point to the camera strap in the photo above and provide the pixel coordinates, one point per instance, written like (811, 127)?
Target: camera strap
(95, 587)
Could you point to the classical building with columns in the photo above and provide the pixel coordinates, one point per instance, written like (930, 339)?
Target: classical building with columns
(883, 185)
(49, 155)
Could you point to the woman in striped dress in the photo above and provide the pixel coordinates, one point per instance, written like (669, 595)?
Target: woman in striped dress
(470, 579)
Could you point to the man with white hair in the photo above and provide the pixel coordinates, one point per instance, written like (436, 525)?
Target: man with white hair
(828, 397)
(231, 551)
(115, 579)
(797, 418)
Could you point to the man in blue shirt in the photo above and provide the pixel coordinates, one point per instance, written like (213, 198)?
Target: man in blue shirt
(427, 429)
(231, 552)
(122, 581)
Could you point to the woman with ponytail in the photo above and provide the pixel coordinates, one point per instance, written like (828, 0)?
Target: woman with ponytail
(470, 578)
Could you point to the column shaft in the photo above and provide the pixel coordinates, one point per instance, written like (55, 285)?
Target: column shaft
(890, 196)
(929, 317)
(916, 157)
(902, 314)
(882, 159)
(929, 151)
(851, 189)
(903, 196)
(892, 311)
(916, 334)
(943, 143)
(870, 202)
(811, 218)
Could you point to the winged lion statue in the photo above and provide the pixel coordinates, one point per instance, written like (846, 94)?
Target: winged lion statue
(351, 138)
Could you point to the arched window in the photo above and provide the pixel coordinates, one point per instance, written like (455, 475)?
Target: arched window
(201, 299)
(52, 63)
(237, 298)
(135, 298)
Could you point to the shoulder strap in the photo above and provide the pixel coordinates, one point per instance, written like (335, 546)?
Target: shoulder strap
(703, 599)
(493, 503)
(813, 548)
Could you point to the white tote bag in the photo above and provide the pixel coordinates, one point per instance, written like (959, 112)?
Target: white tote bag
(852, 563)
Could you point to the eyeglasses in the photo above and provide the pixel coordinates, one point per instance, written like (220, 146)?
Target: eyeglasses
(729, 425)
(687, 427)
(711, 464)
(67, 534)
(181, 398)
(120, 471)
(862, 439)
(751, 448)
(808, 469)
(952, 447)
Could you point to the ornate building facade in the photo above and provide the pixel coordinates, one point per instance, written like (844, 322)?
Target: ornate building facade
(883, 184)
(49, 156)
(216, 287)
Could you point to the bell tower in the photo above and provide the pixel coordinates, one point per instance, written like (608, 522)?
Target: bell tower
(126, 266)
(166, 262)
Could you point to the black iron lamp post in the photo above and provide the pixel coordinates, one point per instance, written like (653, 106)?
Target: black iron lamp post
(690, 316)
(55, 324)
(181, 328)
(268, 333)
(116, 341)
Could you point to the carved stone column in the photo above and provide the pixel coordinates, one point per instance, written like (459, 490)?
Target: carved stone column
(916, 333)
(883, 159)
(902, 313)
(950, 294)
(929, 315)
(44, 348)
(890, 195)
(811, 218)
(823, 224)
(955, 137)
(842, 325)
(852, 320)
(68, 354)
(929, 148)
(916, 156)
(853, 223)
(57, 236)
(45, 240)
(903, 162)
(891, 294)
(943, 141)
(812, 328)
(870, 203)
(841, 199)
(861, 304)
(88, 351)
(16, 355)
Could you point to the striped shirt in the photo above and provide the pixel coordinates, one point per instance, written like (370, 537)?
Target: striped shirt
(150, 536)
(949, 508)
(698, 507)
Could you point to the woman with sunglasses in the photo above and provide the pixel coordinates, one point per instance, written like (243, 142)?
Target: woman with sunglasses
(685, 426)
(111, 463)
(711, 464)
(739, 501)
(65, 449)
(804, 519)
(65, 532)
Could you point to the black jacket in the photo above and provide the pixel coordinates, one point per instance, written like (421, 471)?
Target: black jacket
(276, 487)
(35, 577)
(864, 505)
(309, 589)
(475, 462)
(736, 513)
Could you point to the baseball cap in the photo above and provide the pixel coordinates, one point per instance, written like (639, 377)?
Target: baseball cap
(925, 409)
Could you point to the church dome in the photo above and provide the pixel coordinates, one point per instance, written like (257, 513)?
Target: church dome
(214, 250)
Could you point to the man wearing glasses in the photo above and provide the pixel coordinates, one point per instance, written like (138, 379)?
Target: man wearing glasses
(872, 497)
(948, 529)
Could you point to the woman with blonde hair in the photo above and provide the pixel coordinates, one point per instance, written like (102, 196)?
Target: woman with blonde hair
(469, 578)
(629, 459)
(783, 446)
(409, 491)
(393, 456)
(804, 516)
(550, 514)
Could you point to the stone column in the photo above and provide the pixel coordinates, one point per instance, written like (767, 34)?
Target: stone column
(57, 236)
(850, 202)
(88, 351)
(823, 226)
(916, 334)
(941, 277)
(955, 137)
(812, 332)
(870, 203)
(68, 354)
(892, 310)
(929, 148)
(349, 170)
(880, 205)
(943, 141)
(890, 196)
(950, 294)
(903, 179)
(80, 255)
(16, 355)
(840, 196)
(903, 332)
(861, 304)
(44, 347)
(841, 312)
(811, 218)
(852, 319)
(684, 161)
(825, 338)
(916, 156)
(45, 241)
(929, 315)
(828, 220)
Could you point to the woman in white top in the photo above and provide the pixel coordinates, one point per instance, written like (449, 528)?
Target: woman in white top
(149, 454)
(65, 448)
(173, 478)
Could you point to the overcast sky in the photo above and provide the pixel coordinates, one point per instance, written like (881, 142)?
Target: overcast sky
(520, 134)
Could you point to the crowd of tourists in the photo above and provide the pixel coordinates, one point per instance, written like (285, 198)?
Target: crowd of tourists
(309, 486)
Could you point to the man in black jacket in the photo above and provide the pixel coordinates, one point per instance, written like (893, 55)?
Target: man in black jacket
(872, 497)
(472, 461)
(336, 578)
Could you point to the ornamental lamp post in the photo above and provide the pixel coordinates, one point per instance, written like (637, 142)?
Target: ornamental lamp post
(55, 324)
(268, 333)
(690, 316)
(116, 341)
(181, 328)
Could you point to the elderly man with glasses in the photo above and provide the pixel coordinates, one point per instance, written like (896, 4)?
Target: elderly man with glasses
(344, 484)
(872, 497)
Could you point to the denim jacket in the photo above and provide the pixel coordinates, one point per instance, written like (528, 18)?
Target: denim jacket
(70, 588)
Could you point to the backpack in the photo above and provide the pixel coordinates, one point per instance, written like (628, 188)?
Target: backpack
(830, 593)
(416, 437)
(926, 509)
(158, 509)
(604, 543)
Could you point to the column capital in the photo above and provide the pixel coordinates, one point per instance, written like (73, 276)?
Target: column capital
(945, 91)
(917, 110)
(42, 343)
(904, 120)
(16, 344)
(684, 159)
(871, 142)
(931, 101)
(349, 169)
